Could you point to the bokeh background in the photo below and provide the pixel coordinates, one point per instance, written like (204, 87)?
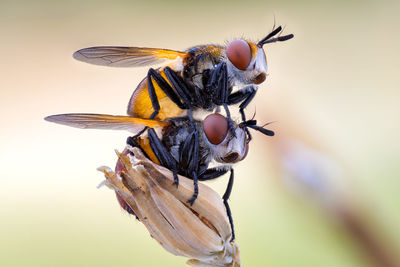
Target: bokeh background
(332, 92)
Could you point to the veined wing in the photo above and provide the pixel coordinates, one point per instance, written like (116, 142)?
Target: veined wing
(118, 56)
(103, 121)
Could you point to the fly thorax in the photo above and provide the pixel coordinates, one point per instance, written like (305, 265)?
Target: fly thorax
(195, 70)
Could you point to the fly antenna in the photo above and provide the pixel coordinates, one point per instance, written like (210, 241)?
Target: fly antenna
(269, 38)
(262, 130)
(253, 125)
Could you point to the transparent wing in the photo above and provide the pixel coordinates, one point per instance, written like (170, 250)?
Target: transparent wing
(118, 56)
(103, 121)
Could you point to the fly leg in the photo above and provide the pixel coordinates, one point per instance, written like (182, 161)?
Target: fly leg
(167, 89)
(189, 154)
(245, 96)
(225, 197)
(163, 155)
(213, 173)
(224, 97)
(230, 122)
(182, 92)
(189, 160)
(196, 189)
(180, 87)
(219, 89)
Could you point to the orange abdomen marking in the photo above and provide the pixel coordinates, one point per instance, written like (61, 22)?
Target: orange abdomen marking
(145, 145)
(140, 104)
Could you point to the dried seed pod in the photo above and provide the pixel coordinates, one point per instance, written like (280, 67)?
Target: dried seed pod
(201, 232)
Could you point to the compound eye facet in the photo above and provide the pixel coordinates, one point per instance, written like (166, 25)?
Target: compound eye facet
(239, 53)
(215, 127)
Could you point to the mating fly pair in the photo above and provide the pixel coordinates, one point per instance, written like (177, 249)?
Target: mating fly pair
(203, 77)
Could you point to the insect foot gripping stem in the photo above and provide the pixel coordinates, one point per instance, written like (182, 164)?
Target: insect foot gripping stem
(201, 232)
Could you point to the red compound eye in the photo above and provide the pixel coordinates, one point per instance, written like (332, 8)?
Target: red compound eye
(238, 52)
(215, 127)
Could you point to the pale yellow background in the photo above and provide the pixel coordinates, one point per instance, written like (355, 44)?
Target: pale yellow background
(338, 79)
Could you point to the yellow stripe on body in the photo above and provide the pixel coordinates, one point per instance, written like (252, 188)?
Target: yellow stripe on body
(140, 104)
(145, 145)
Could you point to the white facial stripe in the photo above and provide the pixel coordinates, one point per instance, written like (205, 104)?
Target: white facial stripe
(261, 63)
(234, 145)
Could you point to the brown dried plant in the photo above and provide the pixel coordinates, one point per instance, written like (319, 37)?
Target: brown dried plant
(200, 232)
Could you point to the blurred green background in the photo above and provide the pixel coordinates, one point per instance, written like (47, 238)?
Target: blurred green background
(336, 85)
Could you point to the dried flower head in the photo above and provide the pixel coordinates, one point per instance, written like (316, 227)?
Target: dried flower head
(201, 232)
